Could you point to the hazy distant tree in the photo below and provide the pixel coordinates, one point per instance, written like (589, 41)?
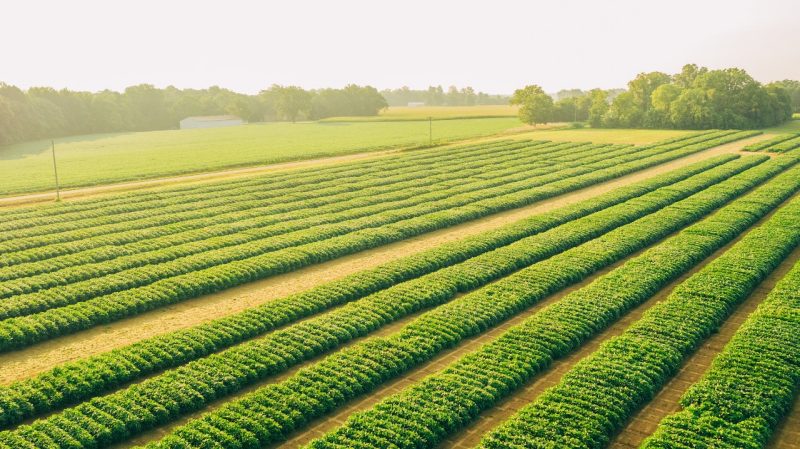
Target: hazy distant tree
(598, 107)
(469, 98)
(535, 106)
(641, 90)
(435, 96)
(792, 89)
(661, 101)
(291, 102)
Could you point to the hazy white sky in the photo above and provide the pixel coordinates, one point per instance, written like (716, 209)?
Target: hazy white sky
(494, 46)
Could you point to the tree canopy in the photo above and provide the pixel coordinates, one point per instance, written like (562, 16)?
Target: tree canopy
(44, 112)
(695, 98)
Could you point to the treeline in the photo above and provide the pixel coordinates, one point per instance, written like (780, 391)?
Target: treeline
(695, 98)
(436, 96)
(44, 112)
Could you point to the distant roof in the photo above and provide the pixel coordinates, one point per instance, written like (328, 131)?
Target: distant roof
(212, 118)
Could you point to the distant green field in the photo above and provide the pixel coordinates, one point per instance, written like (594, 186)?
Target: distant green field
(107, 158)
(435, 112)
(602, 135)
(792, 126)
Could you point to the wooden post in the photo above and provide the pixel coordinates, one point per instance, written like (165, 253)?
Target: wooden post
(55, 170)
(430, 130)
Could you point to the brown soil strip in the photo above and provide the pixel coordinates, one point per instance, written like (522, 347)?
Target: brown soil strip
(787, 435)
(35, 359)
(645, 421)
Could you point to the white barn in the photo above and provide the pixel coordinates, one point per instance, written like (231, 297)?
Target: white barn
(210, 121)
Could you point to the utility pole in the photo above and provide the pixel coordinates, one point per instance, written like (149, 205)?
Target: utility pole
(430, 130)
(55, 170)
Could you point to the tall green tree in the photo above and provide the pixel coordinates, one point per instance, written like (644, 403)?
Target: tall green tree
(535, 106)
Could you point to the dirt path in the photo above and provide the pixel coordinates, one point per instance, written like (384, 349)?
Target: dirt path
(35, 359)
(84, 192)
(787, 436)
(645, 421)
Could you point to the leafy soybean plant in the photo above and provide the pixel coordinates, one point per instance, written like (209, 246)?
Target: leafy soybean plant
(79, 381)
(22, 331)
(750, 386)
(441, 404)
(600, 393)
(176, 392)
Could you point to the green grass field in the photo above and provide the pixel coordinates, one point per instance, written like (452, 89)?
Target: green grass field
(792, 126)
(99, 159)
(395, 113)
(634, 136)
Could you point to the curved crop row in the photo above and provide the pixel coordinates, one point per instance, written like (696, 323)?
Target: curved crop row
(178, 391)
(280, 408)
(132, 201)
(217, 251)
(23, 331)
(256, 218)
(322, 176)
(237, 199)
(751, 384)
(24, 399)
(596, 397)
(427, 412)
(764, 145)
(178, 212)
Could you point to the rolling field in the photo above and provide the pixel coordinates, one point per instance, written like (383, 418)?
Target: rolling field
(107, 158)
(585, 289)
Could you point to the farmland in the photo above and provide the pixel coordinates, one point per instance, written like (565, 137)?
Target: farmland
(555, 288)
(106, 158)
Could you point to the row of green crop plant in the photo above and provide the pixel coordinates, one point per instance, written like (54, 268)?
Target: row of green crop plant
(230, 200)
(280, 408)
(259, 197)
(70, 286)
(127, 201)
(272, 194)
(595, 398)
(256, 218)
(323, 177)
(89, 238)
(775, 144)
(23, 331)
(194, 219)
(176, 392)
(251, 223)
(80, 272)
(440, 405)
(750, 386)
(102, 373)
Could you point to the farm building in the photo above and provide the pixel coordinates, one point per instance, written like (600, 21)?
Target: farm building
(210, 121)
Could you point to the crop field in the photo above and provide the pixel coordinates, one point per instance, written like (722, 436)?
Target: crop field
(778, 144)
(528, 292)
(436, 113)
(106, 158)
